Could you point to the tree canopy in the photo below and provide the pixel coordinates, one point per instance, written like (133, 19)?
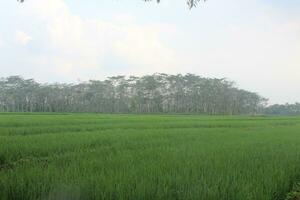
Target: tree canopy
(190, 3)
(158, 93)
(285, 109)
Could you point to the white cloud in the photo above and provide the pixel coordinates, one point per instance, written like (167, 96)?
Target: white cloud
(81, 44)
(22, 38)
(124, 18)
(1, 41)
(141, 46)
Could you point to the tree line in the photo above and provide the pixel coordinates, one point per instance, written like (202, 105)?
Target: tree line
(158, 93)
(284, 109)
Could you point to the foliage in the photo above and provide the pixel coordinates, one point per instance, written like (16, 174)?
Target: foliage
(89, 156)
(286, 109)
(158, 93)
(190, 3)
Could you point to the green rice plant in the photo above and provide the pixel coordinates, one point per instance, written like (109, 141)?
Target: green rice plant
(90, 156)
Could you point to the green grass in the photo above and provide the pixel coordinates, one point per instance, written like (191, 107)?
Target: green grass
(89, 156)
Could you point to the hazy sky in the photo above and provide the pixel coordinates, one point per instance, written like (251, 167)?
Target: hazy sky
(254, 43)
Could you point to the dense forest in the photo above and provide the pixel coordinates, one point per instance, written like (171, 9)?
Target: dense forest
(158, 93)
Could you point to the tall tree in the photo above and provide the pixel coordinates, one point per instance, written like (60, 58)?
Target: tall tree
(155, 93)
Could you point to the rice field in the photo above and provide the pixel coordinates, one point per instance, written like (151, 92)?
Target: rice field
(91, 157)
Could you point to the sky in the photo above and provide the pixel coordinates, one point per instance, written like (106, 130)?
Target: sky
(254, 43)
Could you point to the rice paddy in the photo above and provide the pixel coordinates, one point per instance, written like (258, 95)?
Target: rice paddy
(91, 156)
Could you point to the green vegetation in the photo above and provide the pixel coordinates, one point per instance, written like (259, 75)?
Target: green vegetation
(157, 93)
(286, 109)
(89, 156)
